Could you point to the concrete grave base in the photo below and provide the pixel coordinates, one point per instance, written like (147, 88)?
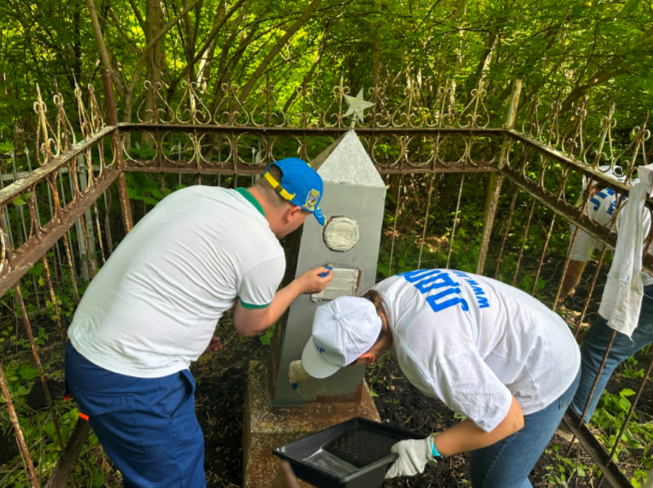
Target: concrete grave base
(265, 428)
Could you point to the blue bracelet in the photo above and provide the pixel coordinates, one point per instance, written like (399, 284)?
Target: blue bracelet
(434, 450)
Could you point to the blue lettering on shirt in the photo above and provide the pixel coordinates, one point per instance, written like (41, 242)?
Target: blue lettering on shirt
(426, 280)
(482, 301)
(603, 194)
(437, 306)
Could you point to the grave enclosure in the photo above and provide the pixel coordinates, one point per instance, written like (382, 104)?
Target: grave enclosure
(452, 188)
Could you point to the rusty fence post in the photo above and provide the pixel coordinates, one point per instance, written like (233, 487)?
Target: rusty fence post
(112, 116)
(66, 463)
(496, 179)
(20, 438)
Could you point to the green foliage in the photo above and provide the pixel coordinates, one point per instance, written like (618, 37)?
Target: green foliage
(142, 188)
(630, 367)
(400, 263)
(266, 337)
(38, 426)
(633, 373)
(611, 415)
(566, 469)
(21, 200)
(556, 47)
(20, 378)
(617, 404)
(40, 434)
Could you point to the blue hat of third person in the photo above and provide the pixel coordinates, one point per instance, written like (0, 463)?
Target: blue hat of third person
(300, 184)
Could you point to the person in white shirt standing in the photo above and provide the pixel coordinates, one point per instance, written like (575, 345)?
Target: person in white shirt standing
(602, 208)
(153, 307)
(490, 352)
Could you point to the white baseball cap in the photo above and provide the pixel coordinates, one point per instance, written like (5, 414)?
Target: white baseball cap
(615, 173)
(343, 330)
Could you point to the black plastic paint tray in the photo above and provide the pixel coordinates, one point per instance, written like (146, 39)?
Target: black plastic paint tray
(351, 454)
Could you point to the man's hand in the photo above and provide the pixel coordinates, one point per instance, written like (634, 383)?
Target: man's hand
(312, 282)
(214, 345)
(413, 457)
(251, 321)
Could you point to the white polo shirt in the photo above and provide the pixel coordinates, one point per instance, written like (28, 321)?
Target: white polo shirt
(601, 208)
(154, 305)
(474, 342)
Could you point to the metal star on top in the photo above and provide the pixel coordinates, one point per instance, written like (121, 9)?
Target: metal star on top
(356, 106)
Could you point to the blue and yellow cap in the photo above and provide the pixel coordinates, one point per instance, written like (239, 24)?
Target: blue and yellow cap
(300, 184)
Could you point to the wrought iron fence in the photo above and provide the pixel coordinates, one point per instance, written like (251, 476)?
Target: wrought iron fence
(441, 155)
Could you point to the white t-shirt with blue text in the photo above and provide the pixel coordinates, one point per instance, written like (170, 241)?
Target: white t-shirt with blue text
(601, 208)
(154, 305)
(474, 342)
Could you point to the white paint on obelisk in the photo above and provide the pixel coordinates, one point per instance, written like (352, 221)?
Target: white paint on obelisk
(355, 193)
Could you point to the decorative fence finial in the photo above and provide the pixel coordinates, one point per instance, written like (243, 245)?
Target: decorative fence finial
(356, 107)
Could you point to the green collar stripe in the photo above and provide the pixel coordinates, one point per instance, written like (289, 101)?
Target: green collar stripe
(250, 198)
(249, 305)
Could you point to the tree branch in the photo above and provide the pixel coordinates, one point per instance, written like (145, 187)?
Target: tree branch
(596, 79)
(155, 40)
(277, 47)
(137, 13)
(102, 48)
(207, 42)
(309, 74)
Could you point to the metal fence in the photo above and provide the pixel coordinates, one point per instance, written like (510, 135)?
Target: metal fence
(440, 153)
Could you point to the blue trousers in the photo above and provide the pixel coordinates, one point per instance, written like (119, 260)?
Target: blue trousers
(147, 426)
(507, 463)
(594, 346)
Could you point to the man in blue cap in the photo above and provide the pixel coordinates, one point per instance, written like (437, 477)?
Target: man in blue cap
(153, 307)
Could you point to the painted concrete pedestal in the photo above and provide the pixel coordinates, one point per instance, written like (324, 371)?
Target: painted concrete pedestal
(267, 427)
(275, 414)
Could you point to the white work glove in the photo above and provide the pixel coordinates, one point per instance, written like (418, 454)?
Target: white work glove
(297, 373)
(413, 457)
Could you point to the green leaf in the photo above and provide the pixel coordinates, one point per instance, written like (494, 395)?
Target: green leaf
(27, 372)
(49, 427)
(150, 200)
(36, 270)
(629, 7)
(266, 338)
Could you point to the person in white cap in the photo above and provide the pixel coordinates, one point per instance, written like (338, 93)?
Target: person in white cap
(490, 352)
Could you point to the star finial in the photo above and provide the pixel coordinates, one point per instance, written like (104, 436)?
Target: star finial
(356, 106)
